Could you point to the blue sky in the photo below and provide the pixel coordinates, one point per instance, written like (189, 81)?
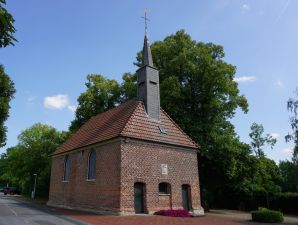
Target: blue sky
(60, 42)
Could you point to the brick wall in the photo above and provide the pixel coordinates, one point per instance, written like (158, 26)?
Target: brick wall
(100, 194)
(141, 162)
(134, 161)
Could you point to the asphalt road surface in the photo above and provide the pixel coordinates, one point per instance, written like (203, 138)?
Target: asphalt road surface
(14, 211)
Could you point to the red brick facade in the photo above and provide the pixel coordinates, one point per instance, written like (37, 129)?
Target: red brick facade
(141, 162)
(119, 164)
(100, 194)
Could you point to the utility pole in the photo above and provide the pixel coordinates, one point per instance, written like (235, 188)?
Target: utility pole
(34, 189)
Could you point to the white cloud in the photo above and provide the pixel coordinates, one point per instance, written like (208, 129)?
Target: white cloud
(58, 102)
(245, 7)
(275, 135)
(279, 84)
(287, 151)
(245, 79)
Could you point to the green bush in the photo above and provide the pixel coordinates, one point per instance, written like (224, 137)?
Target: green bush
(267, 216)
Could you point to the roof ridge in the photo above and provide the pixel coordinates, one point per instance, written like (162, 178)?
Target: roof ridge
(179, 128)
(112, 109)
(129, 118)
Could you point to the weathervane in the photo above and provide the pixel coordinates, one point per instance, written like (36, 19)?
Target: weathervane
(145, 19)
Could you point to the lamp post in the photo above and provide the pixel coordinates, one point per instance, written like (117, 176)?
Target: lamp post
(34, 189)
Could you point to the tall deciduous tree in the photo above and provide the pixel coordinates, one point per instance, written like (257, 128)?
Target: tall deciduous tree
(31, 156)
(101, 95)
(199, 92)
(7, 91)
(7, 29)
(259, 140)
(292, 106)
(289, 172)
(289, 169)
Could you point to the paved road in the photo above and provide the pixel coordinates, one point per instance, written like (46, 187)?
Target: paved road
(14, 211)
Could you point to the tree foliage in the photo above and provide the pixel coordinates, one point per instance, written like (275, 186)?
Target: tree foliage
(259, 140)
(31, 156)
(7, 91)
(102, 94)
(199, 92)
(289, 172)
(7, 29)
(289, 169)
(292, 106)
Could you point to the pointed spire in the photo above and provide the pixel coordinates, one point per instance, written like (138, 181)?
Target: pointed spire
(146, 56)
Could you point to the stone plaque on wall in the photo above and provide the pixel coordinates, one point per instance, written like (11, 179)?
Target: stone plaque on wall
(164, 169)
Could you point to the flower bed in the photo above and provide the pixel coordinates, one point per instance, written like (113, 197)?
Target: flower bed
(173, 213)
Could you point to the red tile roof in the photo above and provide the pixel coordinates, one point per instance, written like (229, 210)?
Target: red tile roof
(127, 120)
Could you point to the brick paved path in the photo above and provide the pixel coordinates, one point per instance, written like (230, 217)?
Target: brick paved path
(158, 220)
(214, 218)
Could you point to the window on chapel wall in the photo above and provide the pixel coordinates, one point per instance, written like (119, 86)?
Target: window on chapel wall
(66, 168)
(164, 188)
(92, 165)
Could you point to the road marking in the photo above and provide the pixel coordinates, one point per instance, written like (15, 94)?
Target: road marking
(14, 212)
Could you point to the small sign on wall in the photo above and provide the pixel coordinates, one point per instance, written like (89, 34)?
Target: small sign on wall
(164, 169)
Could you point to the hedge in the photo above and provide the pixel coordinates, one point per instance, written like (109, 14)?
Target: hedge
(286, 202)
(267, 216)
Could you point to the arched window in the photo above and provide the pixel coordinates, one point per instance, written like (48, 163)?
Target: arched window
(66, 168)
(164, 188)
(92, 165)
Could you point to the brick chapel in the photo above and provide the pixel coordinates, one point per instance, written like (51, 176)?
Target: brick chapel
(130, 159)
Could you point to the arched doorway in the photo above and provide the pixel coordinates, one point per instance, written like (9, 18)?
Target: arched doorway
(186, 197)
(139, 191)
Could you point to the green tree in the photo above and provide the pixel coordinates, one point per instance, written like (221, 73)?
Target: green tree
(7, 91)
(7, 29)
(101, 95)
(199, 92)
(268, 179)
(289, 172)
(259, 140)
(292, 106)
(128, 87)
(289, 169)
(31, 156)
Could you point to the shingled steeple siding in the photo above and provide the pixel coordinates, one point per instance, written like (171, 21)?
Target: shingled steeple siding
(148, 83)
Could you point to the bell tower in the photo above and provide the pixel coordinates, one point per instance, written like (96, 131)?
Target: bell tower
(148, 81)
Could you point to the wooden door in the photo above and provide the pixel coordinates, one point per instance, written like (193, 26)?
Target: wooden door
(139, 197)
(186, 197)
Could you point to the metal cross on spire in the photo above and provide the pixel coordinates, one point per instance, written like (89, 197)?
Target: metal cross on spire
(145, 19)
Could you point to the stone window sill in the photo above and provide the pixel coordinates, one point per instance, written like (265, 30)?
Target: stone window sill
(163, 194)
(65, 181)
(90, 180)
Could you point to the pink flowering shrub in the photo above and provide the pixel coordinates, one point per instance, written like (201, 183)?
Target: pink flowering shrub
(173, 213)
